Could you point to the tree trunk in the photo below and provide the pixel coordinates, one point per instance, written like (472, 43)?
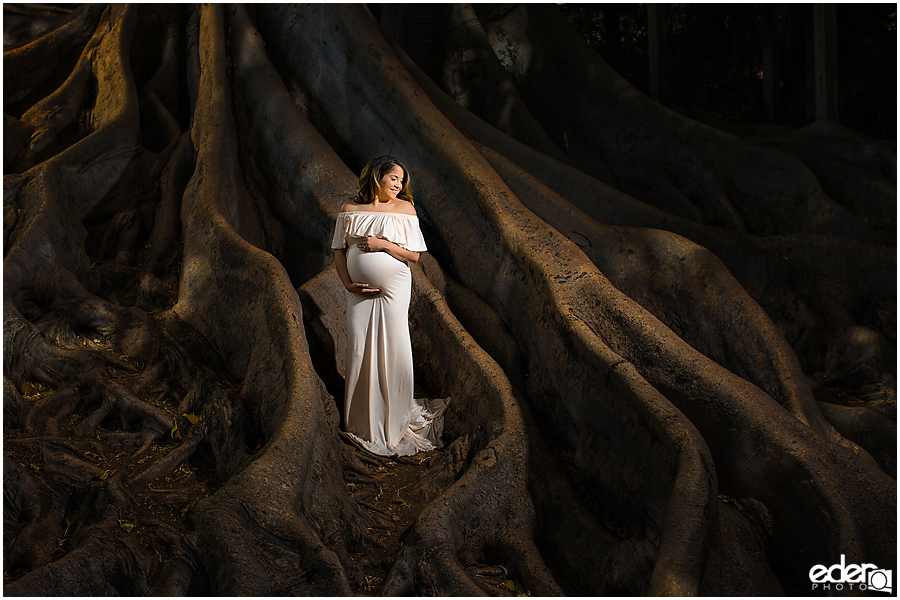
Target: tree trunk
(670, 351)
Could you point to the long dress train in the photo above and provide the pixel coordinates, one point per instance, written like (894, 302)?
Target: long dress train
(379, 409)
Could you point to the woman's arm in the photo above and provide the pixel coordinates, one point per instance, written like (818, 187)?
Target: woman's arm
(340, 263)
(374, 244)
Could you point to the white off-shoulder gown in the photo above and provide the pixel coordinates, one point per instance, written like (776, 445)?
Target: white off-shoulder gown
(379, 409)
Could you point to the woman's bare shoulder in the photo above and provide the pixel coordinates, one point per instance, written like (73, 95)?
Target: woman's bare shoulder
(399, 206)
(405, 208)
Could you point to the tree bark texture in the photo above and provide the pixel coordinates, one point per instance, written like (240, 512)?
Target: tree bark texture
(670, 349)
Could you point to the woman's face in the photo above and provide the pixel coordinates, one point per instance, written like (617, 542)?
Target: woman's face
(391, 183)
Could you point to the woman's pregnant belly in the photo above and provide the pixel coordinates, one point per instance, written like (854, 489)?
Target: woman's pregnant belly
(378, 269)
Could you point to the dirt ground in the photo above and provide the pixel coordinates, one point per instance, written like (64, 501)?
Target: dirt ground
(391, 492)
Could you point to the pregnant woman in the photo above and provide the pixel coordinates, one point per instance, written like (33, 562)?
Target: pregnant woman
(375, 237)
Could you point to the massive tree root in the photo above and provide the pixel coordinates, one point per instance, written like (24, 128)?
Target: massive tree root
(663, 379)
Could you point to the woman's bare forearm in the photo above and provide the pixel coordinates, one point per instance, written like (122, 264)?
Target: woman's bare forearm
(375, 244)
(401, 253)
(340, 263)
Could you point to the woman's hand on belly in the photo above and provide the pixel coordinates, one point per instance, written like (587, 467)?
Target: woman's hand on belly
(340, 263)
(374, 244)
(363, 289)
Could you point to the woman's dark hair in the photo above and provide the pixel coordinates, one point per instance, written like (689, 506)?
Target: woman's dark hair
(370, 179)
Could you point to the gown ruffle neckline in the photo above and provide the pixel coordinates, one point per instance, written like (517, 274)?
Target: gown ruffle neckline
(400, 228)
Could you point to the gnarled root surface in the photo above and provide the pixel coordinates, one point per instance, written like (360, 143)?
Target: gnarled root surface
(664, 377)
